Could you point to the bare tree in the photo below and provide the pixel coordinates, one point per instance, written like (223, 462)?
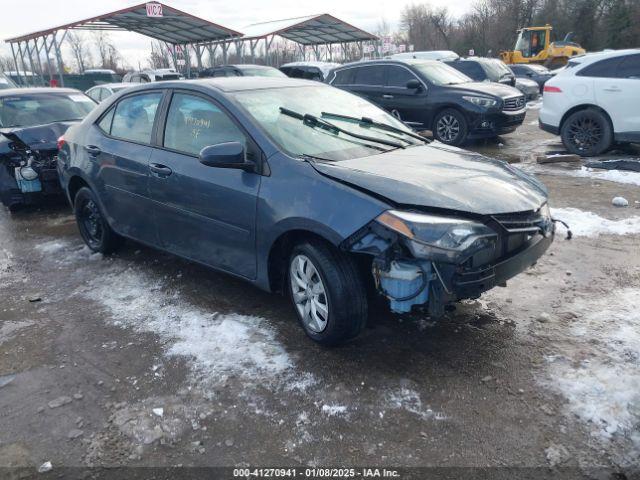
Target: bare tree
(108, 55)
(80, 49)
(159, 57)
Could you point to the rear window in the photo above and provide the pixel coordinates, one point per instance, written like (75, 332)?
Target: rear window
(603, 69)
(471, 69)
(344, 77)
(373, 75)
(630, 67)
(40, 109)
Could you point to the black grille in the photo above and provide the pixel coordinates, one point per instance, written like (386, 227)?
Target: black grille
(518, 221)
(513, 104)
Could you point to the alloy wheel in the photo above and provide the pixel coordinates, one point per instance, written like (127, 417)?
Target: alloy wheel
(585, 133)
(448, 128)
(309, 293)
(91, 222)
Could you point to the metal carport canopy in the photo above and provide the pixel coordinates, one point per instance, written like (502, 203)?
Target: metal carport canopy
(310, 30)
(174, 26)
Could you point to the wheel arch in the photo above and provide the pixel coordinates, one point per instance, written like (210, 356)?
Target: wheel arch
(584, 106)
(281, 248)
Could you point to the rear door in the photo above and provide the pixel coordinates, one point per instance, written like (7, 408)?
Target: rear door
(119, 147)
(368, 82)
(406, 104)
(619, 95)
(203, 213)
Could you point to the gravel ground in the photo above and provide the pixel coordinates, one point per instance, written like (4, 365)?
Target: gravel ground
(143, 359)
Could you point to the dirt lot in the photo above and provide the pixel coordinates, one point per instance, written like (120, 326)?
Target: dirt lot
(143, 359)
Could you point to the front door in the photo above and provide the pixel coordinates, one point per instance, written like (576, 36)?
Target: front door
(203, 213)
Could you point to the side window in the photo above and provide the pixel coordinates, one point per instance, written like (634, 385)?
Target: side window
(373, 75)
(105, 123)
(604, 69)
(134, 116)
(95, 94)
(630, 67)
(345, 77)
(194, 123)
(398, 77)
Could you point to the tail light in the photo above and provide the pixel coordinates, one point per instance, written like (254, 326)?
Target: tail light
(61, 142)
(550, 89)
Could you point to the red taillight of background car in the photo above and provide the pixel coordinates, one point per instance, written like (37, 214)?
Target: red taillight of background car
(550, 89)
(61, 142)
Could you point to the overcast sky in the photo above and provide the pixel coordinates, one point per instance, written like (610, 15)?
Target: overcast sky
(26, 16)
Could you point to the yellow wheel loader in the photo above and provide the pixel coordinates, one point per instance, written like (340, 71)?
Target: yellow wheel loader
(534, 45)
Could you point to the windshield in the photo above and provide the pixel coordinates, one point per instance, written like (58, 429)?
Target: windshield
(297, 138)
(262, 72)
(496, 70)
(440, 73)
(39, 109)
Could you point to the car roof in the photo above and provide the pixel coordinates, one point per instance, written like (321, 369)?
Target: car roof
(595, 56)
(311, 64)
(392, 61)
(236, 84)
(240, 66)
(112, 85)
(36, 90)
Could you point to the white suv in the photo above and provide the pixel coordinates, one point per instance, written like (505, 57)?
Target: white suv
(594, 101)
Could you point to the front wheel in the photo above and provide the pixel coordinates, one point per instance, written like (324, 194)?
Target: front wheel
(450, 127)
(327, 292)
(94, 229)
(587, 133)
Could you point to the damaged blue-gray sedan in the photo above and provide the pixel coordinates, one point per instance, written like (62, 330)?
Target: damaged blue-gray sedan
(304, 189)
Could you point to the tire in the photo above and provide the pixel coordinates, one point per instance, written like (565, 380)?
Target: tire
(450, 127)
(334, 283)
(93, 227)
(587, 133)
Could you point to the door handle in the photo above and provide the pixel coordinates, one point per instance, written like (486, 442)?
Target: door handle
(387, 96)
(93, 151)
(160, 170)
(612, 89)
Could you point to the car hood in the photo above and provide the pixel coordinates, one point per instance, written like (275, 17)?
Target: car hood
(37, 137)
(438, 176)
(488, 88)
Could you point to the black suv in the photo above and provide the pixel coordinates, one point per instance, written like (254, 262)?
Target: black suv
(538, 73)
(430, 95)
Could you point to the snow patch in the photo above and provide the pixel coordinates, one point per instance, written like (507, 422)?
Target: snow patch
(589, 224)
(409, 400)
(619, 176)
(334, 410)
(217, 345)
(9, 329)
(599, 373)
(536, 105)
(52, 246)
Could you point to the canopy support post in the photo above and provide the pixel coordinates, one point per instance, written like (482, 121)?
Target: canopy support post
(56, 47)
(15, 60)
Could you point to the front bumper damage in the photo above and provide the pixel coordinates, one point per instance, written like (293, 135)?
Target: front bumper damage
(411, 281)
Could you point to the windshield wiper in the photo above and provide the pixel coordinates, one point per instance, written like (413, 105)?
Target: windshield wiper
(314, 121)
(382, 126)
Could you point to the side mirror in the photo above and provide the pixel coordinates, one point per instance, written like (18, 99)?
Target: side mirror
(226, 155)
(414, 84)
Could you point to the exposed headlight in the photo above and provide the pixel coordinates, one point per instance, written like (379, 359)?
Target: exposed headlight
(437, 237)
(481, 101)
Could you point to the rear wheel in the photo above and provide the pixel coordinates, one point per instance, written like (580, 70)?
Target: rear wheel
(327, 293)
(94, 229)
(587, 133)
(450, 127)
